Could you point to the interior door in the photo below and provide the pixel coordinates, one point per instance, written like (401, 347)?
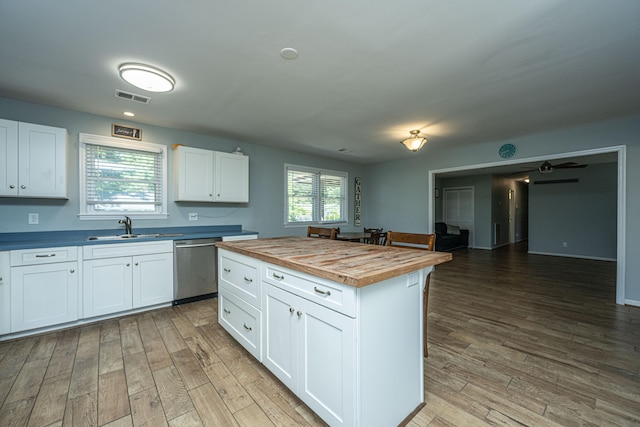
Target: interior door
(458, 206)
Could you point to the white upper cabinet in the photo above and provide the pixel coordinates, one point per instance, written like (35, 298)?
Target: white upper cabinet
(211, 176)
(231, 181)
(194, 174)
(33, 160)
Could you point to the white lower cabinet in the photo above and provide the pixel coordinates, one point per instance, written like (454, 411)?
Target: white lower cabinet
(43, 295)
(44, 287)
(152, 279)
(5, 292)
(311, 349)
(113, 282)
(107, 285)
(352, 355)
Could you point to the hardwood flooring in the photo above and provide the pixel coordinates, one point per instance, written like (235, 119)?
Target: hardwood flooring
(514, 339)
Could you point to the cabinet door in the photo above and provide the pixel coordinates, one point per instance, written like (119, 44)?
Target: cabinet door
(231, 182)
(43, 295)
(5, 293)
(107, 286)
(194, 175)
(152, 279)
(326, 360)
(42, 161)
(279, 326)
(8, 158)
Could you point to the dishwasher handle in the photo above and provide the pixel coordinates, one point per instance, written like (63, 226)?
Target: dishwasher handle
(194, 245)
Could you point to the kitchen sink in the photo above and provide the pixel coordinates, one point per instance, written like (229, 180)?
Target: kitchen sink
(133, 236)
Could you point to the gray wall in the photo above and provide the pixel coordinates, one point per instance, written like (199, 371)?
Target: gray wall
(395, 193)
(582, 214)
(400, 199)
(264, 213)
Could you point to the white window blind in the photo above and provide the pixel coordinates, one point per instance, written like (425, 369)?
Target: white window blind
(315, 196)
(118, 178)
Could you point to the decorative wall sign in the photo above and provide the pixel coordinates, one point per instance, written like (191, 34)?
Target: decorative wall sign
(126, 132)
(358, 199)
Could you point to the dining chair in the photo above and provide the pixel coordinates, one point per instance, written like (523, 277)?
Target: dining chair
(322, 232)
(421, 242)
(378, 237)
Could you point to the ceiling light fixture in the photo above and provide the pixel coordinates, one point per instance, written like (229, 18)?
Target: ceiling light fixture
(415, 142)
(128, 114)
(146, 77)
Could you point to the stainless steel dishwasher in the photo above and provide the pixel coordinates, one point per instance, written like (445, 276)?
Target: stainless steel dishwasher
(195, 273)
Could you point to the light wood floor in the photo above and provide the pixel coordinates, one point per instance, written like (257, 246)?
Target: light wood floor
(514, 339)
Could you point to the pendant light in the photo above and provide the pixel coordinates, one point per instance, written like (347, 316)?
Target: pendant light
(415, 142)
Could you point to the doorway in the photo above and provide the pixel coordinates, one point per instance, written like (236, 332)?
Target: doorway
(620, 154)
(458, 209)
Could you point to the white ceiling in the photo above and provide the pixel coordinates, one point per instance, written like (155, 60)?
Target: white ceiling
(368, 72)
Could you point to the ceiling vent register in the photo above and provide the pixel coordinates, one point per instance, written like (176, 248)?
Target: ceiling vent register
(132, 97)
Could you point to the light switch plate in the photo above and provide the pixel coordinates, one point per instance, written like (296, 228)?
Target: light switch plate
(34, 218)
(193, 216)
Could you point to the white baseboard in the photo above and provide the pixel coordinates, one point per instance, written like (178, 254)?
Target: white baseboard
(573, 256)
(632, 302)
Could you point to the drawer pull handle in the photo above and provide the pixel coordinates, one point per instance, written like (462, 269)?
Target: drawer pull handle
(248, 280)
(277, 276)
(227, 270)
(24, 187)
(299, 313)
(12, 186)
(321, 292)
(226, 310)
(291, 310)
(45, 255)
(72, 271)
(248, 328)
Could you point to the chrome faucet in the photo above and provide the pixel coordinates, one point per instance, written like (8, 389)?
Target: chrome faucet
(127, 224)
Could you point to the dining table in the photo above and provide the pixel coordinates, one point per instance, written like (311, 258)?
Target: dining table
(353, 236)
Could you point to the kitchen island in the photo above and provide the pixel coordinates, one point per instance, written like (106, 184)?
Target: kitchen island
(339, 323)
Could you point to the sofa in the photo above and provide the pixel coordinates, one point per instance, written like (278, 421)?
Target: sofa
(450, 238)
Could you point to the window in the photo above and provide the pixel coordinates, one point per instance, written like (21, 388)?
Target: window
(122, 178)
(315, 196)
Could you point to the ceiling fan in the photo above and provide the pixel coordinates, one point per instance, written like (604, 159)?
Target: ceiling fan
(547, 167)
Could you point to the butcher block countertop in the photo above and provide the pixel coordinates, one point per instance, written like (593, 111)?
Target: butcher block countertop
(352, 264)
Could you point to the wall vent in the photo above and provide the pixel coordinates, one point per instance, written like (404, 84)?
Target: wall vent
(132, 97)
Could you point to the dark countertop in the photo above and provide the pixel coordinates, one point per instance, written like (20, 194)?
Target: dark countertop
(47, 239)
(353, 264)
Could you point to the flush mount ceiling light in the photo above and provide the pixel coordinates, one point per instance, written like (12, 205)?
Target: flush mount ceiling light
(415, 142)
(146, 77)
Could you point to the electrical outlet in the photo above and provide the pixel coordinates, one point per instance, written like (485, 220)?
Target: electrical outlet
(193, 216)
(34, 218)
(564, 244)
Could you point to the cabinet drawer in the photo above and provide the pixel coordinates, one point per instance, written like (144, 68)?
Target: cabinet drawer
(43, 255)
(240, 275)
(335, 296)
(126, 249)
(242, 321)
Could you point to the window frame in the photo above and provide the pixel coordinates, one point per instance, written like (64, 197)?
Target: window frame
(316, 220)
(86, 210)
